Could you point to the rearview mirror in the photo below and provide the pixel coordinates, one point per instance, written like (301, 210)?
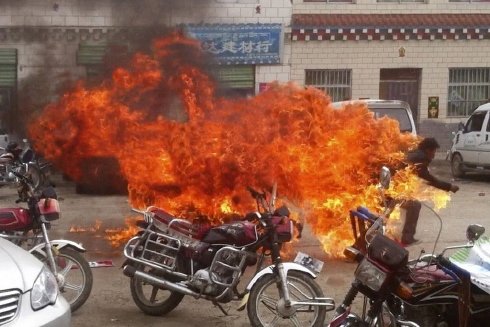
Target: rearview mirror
(474, 231)
(460, 126)
(385, 177)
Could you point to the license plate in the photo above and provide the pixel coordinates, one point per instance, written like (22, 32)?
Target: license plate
(309, 262)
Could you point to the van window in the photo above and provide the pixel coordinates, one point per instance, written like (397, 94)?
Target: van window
(398, 114)
(475, 122)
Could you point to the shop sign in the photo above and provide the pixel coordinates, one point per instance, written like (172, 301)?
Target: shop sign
(252, 44)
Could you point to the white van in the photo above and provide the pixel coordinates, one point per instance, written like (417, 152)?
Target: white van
(470, 151)
(395, 109)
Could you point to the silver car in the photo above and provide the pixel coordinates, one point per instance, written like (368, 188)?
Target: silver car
(29, 293)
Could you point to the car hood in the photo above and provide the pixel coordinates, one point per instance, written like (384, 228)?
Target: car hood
(19, 268)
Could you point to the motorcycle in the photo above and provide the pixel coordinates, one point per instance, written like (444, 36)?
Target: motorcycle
(28, 228)
(428, 291)
(177, 258)
(438, 291)
(22, 161)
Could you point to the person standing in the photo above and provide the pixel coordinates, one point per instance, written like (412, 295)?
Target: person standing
(420, 159)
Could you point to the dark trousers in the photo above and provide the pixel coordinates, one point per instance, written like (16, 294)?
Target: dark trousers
(412, 208)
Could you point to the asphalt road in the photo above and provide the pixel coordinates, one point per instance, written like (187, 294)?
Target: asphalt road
(110, 303)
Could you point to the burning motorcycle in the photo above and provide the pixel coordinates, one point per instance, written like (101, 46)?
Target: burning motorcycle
(21, 161)
(175, 258)
(428, 291)
(28, 228)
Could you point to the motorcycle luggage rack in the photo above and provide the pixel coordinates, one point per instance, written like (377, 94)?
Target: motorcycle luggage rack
(180, 227)
(236, 270)
(161, 249)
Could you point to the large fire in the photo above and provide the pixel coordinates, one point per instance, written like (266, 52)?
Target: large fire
(324, 160)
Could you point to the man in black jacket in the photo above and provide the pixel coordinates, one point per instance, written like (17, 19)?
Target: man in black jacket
(420, 159)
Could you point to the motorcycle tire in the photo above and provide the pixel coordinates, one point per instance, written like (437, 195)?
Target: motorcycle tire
(151, 306)
(77, 278)
(302, 284)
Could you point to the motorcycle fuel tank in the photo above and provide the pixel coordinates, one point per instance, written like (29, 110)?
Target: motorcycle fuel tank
(14, 219)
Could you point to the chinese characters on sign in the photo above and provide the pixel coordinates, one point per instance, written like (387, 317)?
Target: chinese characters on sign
(240, 44)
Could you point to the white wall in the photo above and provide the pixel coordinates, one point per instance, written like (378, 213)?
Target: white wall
(374, 7)
(141, 12)
(366, 58)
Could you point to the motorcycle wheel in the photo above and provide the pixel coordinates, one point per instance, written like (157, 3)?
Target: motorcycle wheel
(153, 300)
(264, 304)
(75, 277)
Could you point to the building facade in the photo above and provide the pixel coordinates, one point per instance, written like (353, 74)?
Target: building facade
(45, 43)
(430, 53)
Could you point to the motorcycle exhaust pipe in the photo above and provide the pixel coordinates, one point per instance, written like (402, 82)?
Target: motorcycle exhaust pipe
(131, 271)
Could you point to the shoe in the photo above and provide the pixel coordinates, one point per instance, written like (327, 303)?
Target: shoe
(413, 241)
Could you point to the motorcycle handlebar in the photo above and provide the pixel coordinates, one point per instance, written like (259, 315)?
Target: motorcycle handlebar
(255, 194)
(138, 211)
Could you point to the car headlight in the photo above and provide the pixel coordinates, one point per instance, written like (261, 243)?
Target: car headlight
(370, 275)
(45, 290)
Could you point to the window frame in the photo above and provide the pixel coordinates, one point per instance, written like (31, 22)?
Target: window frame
(464, 83)
(326, 86)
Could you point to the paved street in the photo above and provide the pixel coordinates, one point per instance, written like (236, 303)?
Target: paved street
(110, 303)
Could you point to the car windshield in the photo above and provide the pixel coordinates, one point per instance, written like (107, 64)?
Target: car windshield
(398, 114)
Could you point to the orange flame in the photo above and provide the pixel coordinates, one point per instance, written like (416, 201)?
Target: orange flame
(324, 160)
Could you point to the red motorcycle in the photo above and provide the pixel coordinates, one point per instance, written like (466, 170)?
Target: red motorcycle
(28, 228)
(171, 258)
(431, 291)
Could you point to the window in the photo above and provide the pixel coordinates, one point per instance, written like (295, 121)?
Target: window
(336, 83)
(398, 114)
(468, 88)
(475, 122)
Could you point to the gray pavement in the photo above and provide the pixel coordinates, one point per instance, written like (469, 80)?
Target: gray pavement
(110, 303)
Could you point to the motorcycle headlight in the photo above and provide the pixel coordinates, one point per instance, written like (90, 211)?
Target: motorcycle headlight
(45, 290)
(370, 275)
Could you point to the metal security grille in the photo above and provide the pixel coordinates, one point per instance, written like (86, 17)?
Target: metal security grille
(337, 83)
(9, 303)
(468, 88)
(8, 67)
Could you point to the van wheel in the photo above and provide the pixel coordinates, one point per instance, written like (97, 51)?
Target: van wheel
(457, 166)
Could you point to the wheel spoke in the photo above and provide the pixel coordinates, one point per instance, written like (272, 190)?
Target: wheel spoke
(274, 321)
(294, 319)
(69, 265)
(77, 288)
(268, 301)
(293, 289)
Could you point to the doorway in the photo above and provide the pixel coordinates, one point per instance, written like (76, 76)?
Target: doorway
(401, 84)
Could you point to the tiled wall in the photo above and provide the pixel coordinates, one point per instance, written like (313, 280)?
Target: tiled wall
(374, 7)
(141, 12)
(366, 58)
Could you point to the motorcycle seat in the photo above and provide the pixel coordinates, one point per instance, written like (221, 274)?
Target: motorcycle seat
(429, 273)
(195, 231)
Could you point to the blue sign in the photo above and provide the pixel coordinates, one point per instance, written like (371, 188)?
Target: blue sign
(240, 43)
